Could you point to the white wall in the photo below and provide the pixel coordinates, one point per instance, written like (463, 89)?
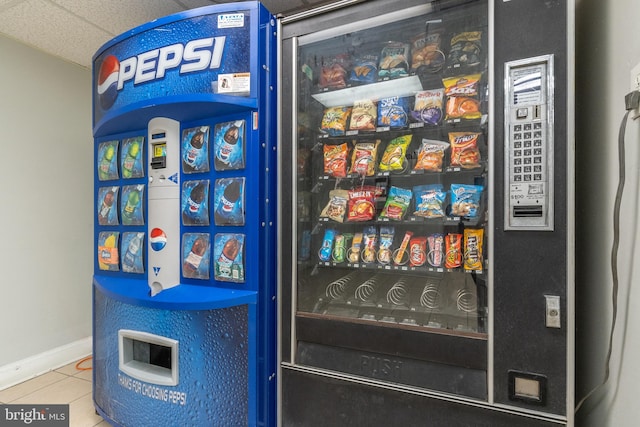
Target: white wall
(46, 193)
(608, 46)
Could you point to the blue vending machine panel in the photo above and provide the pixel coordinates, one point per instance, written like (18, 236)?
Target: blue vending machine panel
(185, 237)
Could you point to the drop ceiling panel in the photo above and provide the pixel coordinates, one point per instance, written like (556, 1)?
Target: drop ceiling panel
(75, 29)
(47, 27)
(118, 16)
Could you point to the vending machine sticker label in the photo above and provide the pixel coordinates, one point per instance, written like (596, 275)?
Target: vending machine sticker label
(231, 20)
(236, 82)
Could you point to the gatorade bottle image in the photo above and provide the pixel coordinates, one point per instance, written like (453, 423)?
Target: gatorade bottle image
(226, 212)
(129, 162)
(104, 168)
(129, 209)
(105, 209)
(108, 252)
(193, 261)
(191, 160)
(131, 262)
(194, 211)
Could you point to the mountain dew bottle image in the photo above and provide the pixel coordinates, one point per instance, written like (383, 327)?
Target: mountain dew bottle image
(129, 210)
(129, 162)
(105, 164)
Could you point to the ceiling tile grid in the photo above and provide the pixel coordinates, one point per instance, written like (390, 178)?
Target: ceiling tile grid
(75, 29)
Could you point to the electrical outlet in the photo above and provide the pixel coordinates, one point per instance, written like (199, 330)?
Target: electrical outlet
(635, 78)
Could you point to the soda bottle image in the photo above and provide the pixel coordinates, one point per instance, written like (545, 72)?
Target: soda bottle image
(229, 253)
(105, 209)
(130, 159)
(192, 210)
(131, 257)
(129, 210)
(194, 259)
(105, 163)
(225, 211)
(193, 150)
(230, 139)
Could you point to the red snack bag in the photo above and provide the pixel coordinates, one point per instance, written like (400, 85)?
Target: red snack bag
(363, 159)
(418, 251)
(335, 160)
(464, 149)
(361, 205)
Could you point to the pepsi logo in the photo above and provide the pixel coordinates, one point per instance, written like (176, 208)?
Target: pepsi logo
(108, 81)
(157, 239)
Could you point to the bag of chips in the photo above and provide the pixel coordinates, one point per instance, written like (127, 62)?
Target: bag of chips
(427, 107)
(431, 155)
(361, 205)
(335, 159)
(333, 74)
(429, 201)
(394, 60)
(462, 97)
(393, 112)
(426, 54)
(336, 208)
(334, 120)
(363, 159)
(464, 149)
(365, 69)
(465, 200)
(395, 155)
(363, 115)
(465, 51)
(397, 203)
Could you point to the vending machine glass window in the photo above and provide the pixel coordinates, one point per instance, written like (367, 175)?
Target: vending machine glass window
(391, 189)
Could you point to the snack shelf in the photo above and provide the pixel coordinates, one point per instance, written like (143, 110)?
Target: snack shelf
(400, 87)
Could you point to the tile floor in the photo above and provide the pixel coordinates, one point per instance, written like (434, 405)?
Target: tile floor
(64, 385)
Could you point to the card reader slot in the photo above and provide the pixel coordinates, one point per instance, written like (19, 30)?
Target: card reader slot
(527, 211)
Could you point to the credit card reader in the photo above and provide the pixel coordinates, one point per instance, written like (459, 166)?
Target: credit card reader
(529, 144)
(164, 204)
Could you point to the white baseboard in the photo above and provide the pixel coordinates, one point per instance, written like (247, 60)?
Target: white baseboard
(25, 369)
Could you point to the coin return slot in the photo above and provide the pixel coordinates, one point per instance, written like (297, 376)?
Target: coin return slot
(527, 211)
(527, 387)
(147, 357)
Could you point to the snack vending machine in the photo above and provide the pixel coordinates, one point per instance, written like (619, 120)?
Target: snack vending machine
(184, 285)
(427, 244)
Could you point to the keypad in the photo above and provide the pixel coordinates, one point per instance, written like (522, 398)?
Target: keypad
(527, 152)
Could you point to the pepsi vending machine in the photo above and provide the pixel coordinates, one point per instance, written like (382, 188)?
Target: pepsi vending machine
(184, 284)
